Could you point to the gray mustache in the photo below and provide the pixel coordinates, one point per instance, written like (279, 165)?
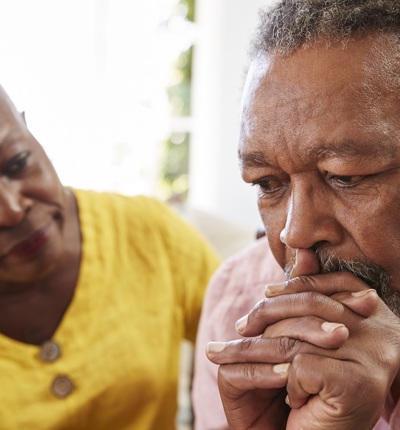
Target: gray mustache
(368, 271)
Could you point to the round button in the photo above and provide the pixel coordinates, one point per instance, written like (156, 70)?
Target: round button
(50, 351)
(62, 386)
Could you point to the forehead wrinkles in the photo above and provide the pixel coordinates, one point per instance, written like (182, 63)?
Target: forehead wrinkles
(382, 65)
(370, 102)
(270, 102)
(379, 91)
(278, 119)
(282, 104)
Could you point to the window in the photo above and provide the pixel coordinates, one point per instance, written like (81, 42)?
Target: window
(93, 79)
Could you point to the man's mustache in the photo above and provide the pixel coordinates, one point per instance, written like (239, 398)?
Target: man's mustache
(368, 271)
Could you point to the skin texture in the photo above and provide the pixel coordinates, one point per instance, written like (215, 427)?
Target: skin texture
(39, 234)
(325, 156)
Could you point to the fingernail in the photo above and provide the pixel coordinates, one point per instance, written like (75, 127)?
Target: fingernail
(281, 369)
(274, 289)
(241, 324)
(363, 293)
(216, 346)
(287, 400)
(328, 327)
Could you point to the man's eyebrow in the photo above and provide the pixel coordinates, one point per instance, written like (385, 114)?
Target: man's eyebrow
(253, 159)
(348, 148)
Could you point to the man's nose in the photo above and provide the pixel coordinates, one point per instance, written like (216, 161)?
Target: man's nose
(13, 204)
(310, 218)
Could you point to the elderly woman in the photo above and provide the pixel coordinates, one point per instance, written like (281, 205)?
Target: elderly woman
(97, 290)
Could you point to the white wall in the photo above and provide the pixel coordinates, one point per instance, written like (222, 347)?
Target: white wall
(220, 61)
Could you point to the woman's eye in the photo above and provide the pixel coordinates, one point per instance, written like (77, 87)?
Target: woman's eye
(346, 180)
(16, 164)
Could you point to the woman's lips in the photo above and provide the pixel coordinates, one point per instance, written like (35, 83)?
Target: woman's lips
(31, 245)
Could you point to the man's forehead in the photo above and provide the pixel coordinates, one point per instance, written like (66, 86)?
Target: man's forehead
(336, 61)
(345, 75)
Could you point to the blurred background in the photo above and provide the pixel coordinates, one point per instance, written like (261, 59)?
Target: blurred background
(139, 96)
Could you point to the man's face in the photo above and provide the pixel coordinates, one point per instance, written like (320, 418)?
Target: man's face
(32, 203)
(320, 137)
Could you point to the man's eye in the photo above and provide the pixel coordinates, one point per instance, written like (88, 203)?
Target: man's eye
(346, 180)
(16, 164)
(269, 185)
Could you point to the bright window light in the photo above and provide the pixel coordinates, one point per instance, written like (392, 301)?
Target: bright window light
(91, 76)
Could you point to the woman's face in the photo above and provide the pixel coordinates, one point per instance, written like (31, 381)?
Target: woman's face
(32, 203)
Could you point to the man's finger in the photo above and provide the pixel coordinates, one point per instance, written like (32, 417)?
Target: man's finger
(272, 310)
(270, 350)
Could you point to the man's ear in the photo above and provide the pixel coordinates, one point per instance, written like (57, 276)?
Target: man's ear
(23, 116)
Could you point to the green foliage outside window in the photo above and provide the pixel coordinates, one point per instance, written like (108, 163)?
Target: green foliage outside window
(175, 158)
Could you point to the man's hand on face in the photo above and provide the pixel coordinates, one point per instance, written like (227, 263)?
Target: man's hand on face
(327, 346)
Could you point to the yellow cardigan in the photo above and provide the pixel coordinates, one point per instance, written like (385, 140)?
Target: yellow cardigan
(113, 361)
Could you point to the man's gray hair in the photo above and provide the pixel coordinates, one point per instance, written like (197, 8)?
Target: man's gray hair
(291, 24)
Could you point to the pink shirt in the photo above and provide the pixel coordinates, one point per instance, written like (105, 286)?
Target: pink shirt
(234, 289)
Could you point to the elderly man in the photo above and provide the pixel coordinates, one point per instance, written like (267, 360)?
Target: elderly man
(320, 138)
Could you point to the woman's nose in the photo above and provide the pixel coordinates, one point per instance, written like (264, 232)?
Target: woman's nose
(13, 205)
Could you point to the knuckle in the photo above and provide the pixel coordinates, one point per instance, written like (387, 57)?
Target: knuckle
(246, 344)
(300, 282)
(287, 346)
(298, 362)
(315, 301)
(312, 297)
(241, 346)
(250, 373)
(305, 283)
(259, 308)
(259, 315)
(388, 354)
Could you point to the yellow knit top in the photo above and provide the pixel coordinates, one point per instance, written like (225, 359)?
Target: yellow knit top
(113, 361)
